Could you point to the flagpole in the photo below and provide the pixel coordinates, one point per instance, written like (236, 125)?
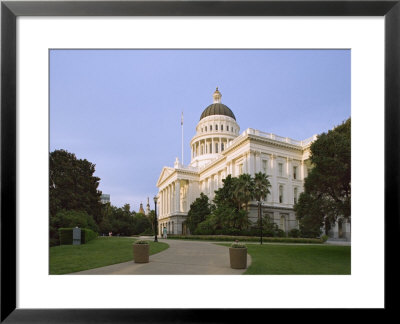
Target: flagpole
(182, 135)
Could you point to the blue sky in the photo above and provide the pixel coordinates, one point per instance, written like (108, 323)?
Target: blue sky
(121, 109)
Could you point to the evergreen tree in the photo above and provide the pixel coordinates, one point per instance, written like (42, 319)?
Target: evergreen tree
(327, 189)
(198, 212)
(72, 185)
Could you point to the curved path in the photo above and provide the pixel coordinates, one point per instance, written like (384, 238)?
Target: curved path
(182, 257)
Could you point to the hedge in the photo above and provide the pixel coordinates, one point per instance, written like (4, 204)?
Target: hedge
(226, 238)
(66, 235)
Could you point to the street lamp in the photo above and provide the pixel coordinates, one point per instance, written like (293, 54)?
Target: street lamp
(155, 220)
(260, 217)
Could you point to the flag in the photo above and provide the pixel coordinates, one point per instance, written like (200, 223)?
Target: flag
(182, 118)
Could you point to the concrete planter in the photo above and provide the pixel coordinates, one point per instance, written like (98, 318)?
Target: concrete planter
(141, 253)
(238, 258)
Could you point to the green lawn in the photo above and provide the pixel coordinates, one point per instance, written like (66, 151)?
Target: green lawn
(96, 253)
(299, 259)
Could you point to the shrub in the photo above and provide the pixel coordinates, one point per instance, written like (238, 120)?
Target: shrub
(204, 228)
(87, 235)
(142, 242)
(148, 231)
(228, 231)
(294, 232)
(324, 238)
(54, 242)
(225, 238)
(279, 233)
(66, 235)
(238, 245)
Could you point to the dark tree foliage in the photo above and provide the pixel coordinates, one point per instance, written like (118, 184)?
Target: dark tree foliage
(229, 214)
(198, 212)
(70, 219)
(72, 185)
(121, 221)
(327, 189)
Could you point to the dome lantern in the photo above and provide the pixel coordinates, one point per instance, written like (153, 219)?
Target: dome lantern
(217, 96)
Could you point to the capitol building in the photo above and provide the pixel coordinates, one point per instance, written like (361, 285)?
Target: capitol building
(218, 149)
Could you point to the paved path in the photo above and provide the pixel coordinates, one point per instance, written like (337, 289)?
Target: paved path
(182, 257)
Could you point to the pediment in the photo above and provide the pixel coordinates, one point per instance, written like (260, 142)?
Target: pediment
(165, 173)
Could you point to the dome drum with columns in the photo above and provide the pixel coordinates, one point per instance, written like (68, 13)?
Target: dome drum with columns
(218, 149)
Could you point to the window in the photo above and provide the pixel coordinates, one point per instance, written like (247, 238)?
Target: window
(295, 195)
(280, 194)
(264, 166)
(216, 147)
(216, 127)
(280, 169)
(227, 128)
(222, 147)
(210, 148)
(222, 127)
(206, 128)
(283, 223)
(210, 128)
(202, 150)
(295, 172)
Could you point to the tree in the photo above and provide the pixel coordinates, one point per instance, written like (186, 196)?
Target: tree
(327, 189)
(260, 191)
(198, 212)
(243, 191)
(72, 185)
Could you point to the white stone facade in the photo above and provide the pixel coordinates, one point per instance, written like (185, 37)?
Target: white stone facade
(219, 149)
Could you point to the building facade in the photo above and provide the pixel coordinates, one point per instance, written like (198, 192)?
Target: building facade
(105, 198)
(219, 149)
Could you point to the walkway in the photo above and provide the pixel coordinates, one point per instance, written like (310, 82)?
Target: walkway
(182, 257)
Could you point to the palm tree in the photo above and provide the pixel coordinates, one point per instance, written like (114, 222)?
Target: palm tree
(260, 191)
(243, 190)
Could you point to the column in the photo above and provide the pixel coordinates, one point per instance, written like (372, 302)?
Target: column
(251, 163)
(290, 182)
(161, 203)
(274, 189)
(177, 196)
(168, 200)
(171, 205)
(258, 162)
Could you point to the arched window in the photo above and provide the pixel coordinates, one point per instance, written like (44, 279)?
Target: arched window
(281, 194)
(210, 128)
(216, 127)
(227, 128)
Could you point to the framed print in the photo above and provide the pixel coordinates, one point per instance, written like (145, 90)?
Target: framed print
(43, 42)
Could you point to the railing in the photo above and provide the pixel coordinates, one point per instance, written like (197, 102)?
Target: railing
(251, 131)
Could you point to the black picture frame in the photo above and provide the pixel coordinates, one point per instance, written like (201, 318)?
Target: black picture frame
(10, 10)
